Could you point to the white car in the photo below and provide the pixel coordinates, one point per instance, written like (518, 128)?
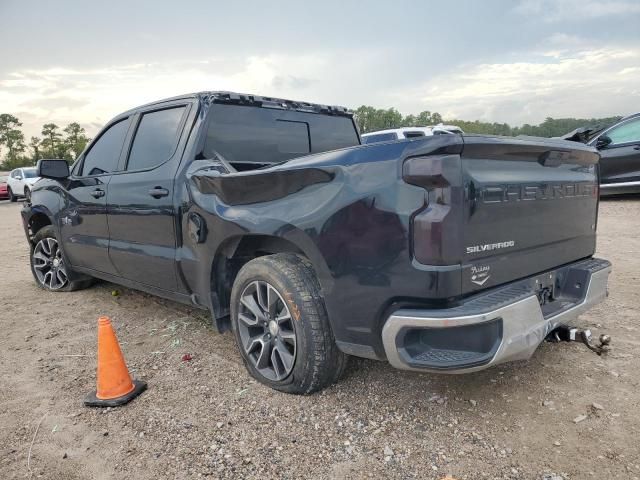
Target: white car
(409, 132)
(20, 182)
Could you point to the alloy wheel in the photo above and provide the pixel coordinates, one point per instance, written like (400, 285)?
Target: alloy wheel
(48, 264)
(267, 331)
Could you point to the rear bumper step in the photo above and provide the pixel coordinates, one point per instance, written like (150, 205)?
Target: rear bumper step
(505, 324)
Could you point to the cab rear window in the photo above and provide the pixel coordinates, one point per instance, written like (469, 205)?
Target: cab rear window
(246, 134)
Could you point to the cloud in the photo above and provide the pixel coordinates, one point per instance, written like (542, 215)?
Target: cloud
(566, 75)
(94, 95)
(589, 83)
(576, 10)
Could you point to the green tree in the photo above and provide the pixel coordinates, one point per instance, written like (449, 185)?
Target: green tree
(366, 119)
(75, 141)
(423, 119)
(10, 135)
(409, 121)
(34, 145)
(51, 138)
(12, 138)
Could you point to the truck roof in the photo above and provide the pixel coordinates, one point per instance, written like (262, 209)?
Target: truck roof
(218, 96)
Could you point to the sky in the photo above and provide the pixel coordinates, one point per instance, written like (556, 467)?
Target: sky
(514, 61)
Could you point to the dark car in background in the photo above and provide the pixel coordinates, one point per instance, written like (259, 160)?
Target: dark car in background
(619, 146)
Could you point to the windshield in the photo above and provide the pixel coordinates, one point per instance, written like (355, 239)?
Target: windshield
(29, 172)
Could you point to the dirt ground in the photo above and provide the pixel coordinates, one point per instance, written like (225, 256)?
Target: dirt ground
(206, 417)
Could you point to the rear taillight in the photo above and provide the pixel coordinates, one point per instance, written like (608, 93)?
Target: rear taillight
(436, 228)
(426, 172)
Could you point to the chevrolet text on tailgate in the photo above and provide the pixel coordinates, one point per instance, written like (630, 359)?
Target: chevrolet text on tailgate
(448, 253)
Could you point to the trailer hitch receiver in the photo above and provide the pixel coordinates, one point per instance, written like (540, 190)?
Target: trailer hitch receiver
(565, 333)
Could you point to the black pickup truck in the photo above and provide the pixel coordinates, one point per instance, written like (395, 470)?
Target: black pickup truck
(449, 253)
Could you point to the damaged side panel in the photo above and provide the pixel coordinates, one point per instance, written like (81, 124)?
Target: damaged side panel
(348, 211)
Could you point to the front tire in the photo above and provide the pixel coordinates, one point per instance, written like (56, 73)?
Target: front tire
(12, 197)
(281, 325)
(49, 267)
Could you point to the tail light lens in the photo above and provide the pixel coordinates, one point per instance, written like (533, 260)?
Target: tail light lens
(436, 229)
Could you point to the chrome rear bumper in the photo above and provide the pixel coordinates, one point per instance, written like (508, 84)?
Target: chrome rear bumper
(503, 325)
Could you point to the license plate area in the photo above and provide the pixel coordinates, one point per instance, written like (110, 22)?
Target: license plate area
(545, 287)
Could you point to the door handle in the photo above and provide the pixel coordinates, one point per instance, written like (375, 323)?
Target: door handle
(158, 192)
(97, 193)
(637, 147)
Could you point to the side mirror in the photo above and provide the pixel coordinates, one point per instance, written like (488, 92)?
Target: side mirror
(603, 142)
(18, 177)
(55, 169)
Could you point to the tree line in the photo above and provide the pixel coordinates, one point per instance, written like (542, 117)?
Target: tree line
(371, 119)
(69, 142)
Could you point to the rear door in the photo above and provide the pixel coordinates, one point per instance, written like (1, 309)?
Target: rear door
(620, 162)
(140, 202)
(83, 218)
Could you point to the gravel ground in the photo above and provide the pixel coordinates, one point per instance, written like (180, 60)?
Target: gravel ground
(206, 417)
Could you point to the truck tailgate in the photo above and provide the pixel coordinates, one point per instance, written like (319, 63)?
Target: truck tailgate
(501, 208)
(529, 205)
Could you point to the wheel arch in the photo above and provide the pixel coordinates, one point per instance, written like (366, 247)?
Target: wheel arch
(38, 219)
(236, 251)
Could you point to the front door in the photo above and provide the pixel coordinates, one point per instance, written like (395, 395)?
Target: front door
(83, 217)
(140, 207)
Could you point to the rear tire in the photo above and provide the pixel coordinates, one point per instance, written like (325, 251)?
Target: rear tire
(12, 197)
(48, 265)
(293, 329)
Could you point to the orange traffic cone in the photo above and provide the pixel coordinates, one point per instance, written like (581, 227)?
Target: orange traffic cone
(114, 384)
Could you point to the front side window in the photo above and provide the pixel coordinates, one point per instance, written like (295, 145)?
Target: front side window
(105, 152)
(156, 138)
(626, 133)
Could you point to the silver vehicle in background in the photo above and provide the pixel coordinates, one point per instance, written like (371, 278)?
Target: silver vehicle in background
(410, 132)
(20, 182)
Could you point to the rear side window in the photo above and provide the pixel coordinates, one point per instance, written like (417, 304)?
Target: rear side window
(156, 138)
(245, 134)
(105, 152)
(381, 137)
